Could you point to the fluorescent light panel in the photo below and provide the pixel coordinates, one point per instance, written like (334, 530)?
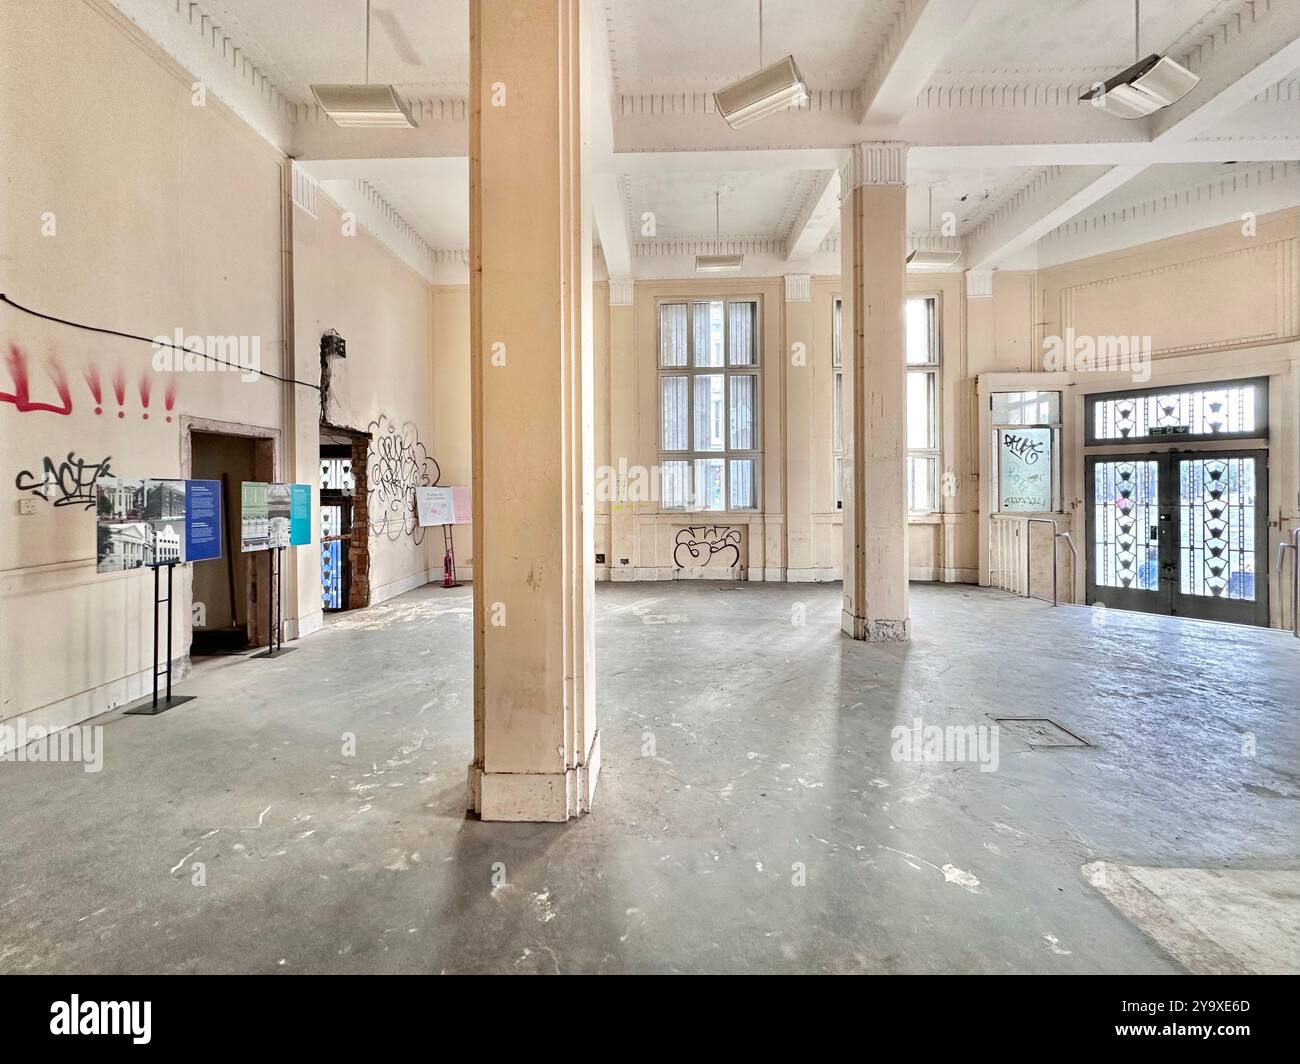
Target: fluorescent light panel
(364, 106)
(933, 260)
(772, 89)
(719, 263)
(1144, 88)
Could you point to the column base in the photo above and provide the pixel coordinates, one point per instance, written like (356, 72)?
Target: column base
(875, 629)
(535, 797)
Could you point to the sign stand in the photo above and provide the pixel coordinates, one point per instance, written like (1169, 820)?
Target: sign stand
(149, 706)
(448, 558)
(274, 613)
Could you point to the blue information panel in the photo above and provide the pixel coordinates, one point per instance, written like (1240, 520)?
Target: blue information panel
(202, 520)
(299, 514)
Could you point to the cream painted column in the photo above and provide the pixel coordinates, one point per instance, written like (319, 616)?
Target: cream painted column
(622, 429)
(799, 419)
(536, 748)
(873, 241)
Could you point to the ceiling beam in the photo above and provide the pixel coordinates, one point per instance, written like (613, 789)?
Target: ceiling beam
(610, 216)
(814, 221)
(922, 34)
(1246, 56)
(607, 206)
(1042, 207)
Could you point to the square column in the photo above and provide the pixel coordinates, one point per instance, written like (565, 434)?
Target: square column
(536, 747)
(873, 241)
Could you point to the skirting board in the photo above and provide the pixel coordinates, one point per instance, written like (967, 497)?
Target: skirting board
(99, 700)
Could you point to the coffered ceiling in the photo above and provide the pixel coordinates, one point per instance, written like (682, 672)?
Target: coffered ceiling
(1005, 160)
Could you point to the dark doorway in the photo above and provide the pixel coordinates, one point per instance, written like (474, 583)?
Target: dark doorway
(225, 591)
(345, 529)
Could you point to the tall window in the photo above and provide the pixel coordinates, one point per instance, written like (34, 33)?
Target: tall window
(922, 406)
(837, 400)
(922, 403)
(708, 405)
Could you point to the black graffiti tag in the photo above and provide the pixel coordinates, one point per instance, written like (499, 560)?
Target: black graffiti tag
(398, 464)
(69, 483)
(1024, 448)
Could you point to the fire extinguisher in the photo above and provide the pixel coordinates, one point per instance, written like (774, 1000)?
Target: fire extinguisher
(448, 570)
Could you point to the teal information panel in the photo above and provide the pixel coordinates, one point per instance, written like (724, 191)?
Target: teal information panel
(299, 514)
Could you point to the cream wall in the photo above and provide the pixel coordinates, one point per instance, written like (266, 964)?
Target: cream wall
(451, 429)
(165, 216)
(132, 209)
(385, 312)
(1218, 304)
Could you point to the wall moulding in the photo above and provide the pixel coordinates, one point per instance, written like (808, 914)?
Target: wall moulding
(1169, 302)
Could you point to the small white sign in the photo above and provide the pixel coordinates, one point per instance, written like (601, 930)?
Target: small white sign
(442, 506)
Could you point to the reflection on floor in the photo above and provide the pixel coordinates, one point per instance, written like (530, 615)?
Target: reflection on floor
(765, 803)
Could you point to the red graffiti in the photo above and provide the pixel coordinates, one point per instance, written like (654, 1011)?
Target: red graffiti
(91, 373)
(21, 398)
(21, 395)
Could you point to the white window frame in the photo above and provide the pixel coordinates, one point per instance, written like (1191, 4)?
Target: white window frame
(691, 371)
(932, 369)
(837, 399)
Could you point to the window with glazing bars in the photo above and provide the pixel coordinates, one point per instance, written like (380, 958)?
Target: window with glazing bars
(709, 453)
(922, 403)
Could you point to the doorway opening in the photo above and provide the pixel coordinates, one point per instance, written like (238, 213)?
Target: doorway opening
(345, 523)
(1181, 530)
(224, 614)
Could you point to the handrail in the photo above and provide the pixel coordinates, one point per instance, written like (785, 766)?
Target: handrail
(1294, 548)
(1057, 536)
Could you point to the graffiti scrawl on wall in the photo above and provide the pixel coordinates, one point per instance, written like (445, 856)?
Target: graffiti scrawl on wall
(21, 394)
(67, 483)
(703, 544)
(397, 464)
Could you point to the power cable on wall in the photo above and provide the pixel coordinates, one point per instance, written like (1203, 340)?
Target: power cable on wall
(156, 343)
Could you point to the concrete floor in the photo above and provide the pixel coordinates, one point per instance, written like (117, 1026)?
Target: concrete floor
(771, 743)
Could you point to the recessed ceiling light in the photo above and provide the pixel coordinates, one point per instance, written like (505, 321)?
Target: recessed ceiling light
(364, 106)
(773, 88)
(919, 261)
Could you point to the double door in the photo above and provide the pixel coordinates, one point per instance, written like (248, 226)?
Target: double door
(1180, 532)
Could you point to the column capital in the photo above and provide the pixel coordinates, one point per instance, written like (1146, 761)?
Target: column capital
(878, 162)
(620, 292)
(798, 288)
(979, 284)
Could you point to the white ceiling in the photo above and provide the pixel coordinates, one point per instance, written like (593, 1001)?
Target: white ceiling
(1060, 40)
(420, 45)
(671, 46)
(968, 155)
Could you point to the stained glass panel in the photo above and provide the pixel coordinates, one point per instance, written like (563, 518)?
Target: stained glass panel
(1126, 497)
(1216, 498)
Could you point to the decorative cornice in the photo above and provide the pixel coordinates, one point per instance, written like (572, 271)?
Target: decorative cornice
(425, 109)
(692, 104)
(742, 245)
(979, 284)
(620, 292)
(798, 288)
(1240, 181)
(875, 163)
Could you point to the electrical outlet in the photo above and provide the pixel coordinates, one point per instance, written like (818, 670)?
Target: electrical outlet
(26, 506)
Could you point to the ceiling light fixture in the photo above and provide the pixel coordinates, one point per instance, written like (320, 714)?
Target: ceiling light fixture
(929, 261)
(1145, 87)
(718, 262)
(773, 88)
(364, 106)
